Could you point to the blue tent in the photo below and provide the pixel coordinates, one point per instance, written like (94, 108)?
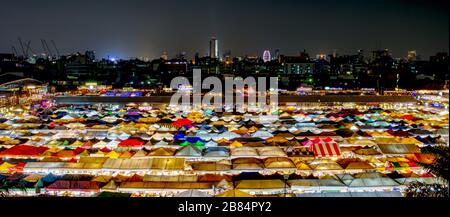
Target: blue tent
(194, 139)
(50, 178)
(178, 136)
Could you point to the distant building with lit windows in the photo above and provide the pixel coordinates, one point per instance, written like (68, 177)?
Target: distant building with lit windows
(266, 56)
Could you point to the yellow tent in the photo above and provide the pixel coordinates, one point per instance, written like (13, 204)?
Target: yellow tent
(77, 143)
(140, 153)
(113, 154)
(148, 120)
(276, 139)
(141, 125)
(102, 178)
(111, 186)
(126, 154)
(98, 153)
(52, 150)
(234, 193)
(33, 178)
(410, 141)
(84, 153)
(300, 164)
(222, 140)
(260, 184)
(161, 152)
(5, 166)
(252, 129)
(235, 144)
(195, 116)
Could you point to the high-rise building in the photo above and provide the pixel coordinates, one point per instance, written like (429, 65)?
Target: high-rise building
(214, 48)
(90, 55)
(412, 55)
(277, 54)
(266, 56)
(379, 54)
(164, 56)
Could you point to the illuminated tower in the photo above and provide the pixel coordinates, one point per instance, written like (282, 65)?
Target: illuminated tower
(214, 48)
(266, 56)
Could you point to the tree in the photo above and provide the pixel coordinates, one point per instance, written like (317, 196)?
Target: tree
(439, 168)
(7, 186)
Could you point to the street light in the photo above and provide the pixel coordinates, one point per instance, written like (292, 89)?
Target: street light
(286, 177)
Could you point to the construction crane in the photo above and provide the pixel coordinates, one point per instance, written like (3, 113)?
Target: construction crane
(29, 48)
(43, 47)
(48, 49)
(21, 45)
(15, 51)
(54, 45)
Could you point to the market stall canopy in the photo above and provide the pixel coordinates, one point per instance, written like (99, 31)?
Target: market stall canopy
(223, 165)
(63, 185)
(162, 152)
(170, 178)
(278, 162)
(192, 193)
(268, 184)
(399, 148)
(189, 151)
(143, 164)
(247, 163)
(234, 193)
(139, 186)
(131, 143)
(326, 150)
(23, 150)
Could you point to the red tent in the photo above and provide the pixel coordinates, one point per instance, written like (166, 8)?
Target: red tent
(315, 140)
(51, 125)
(73, 160)
(131, 143)
(23, 150)
(87, 144)
(17, 168)
(427, 175)
(408, 117)
(327, 139)
(64, 185)
(182, 122)
(105, 149)
(78, 150)
(135, 178)
(422, 158)
(326, 150)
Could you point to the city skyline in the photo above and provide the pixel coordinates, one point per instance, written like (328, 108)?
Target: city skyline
(176, 26)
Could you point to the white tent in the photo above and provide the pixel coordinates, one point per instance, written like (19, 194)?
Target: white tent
(192, 193)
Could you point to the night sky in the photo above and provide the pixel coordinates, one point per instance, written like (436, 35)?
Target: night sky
(126, 28)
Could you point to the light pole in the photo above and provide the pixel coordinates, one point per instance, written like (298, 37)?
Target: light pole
(286, 177)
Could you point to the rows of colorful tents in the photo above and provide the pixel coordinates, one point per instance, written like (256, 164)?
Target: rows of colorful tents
(90, 149)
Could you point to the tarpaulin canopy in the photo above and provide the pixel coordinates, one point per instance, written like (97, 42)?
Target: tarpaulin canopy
(326, 149)
(399, 148)
(268, 184)
(162, 152)
(73, 186)
(23, 150)
(182, 122)
(189, 151)
(234, 193)
(192, 193)
(131, 143)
